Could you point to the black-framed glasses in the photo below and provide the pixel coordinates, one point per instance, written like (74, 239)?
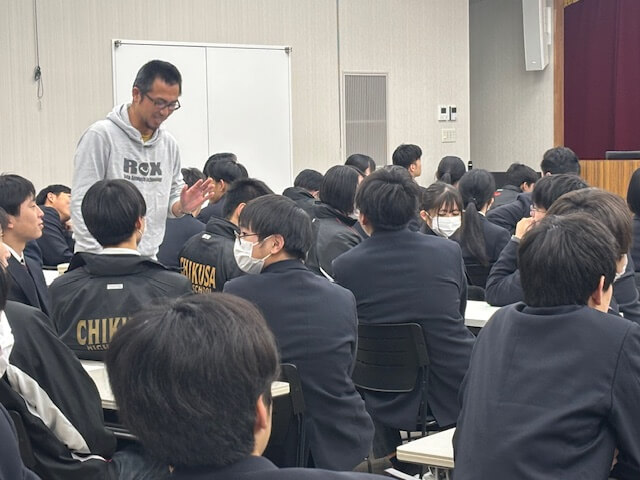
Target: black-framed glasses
(162, 104)
(243, 235)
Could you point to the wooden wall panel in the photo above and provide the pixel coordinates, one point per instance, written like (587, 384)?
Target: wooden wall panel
(611, 175)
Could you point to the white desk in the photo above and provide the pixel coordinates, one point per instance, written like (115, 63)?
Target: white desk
(50, 276)
(478, 313)
(435, 450)
(98, 373)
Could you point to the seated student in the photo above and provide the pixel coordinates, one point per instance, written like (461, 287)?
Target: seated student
(440, 209)
(450, 170)
(613, 213)
(503, 283)
(17, 198)
(333, 222)
(400, 276)
(178, 230)
(99, 291)
(552, 388)
(305, 189)
(11, 465)
(314, 323)
(558, 160)
(633, 200)
(408, 156)
(207, 258)
(361, 162)
(520, 178)
(481, 241)
(216, 420)
(56, 399)
(56, 243)
(224, 169)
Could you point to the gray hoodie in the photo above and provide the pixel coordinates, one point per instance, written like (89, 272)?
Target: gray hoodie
(113, 148)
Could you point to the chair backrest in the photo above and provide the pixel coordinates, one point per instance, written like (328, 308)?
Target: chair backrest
(390, 357)
(287, 445)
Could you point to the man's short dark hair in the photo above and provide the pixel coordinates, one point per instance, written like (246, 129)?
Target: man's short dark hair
(192, 175)
(14, 190)
(633, 192)
(56, 189)
(339, 187)
(560, 160)
(609, 209)
(450, 169)
(187, 375)
(562, 258)
(165, 71)
(275, 214)
(388, 198)
(216, 157)
(309, 180)
(406, 154)
(550, 188)
(227, 170)
(110, 209)
(243, 191)
(519, 173)
(360, 162)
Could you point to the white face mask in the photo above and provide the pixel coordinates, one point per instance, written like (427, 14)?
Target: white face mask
(446, 225)
(624, 269)
(6, 343)
(242, 250)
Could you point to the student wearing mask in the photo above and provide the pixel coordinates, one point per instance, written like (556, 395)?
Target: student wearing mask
(314, 323)
(440, 209)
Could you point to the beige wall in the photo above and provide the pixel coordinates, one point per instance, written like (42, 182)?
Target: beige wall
(511, 109)
(411, 40)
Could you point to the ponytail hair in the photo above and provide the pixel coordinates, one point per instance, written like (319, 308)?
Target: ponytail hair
(450, 170)
(476, 187)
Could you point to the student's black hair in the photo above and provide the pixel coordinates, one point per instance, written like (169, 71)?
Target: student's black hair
(110, 209)
(438, 195)
(243, 190)
(406, 154)
(388, 198)
(165, 71)
(372, 165)
(560, 160)
(562, 258)
(56, 189)
(192, 175)
(476, 188)
(309, 180)
(4, 275)
(339, 187)
(360, 162)
(14, 190)
(275, 214)
(609, 209)
(216, 157)
(633, 192)
(225, 169)
(450, 169)
(519, 173)
(186, 376)
(551, 187)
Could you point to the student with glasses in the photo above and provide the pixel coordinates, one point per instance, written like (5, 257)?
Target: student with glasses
(129, 144)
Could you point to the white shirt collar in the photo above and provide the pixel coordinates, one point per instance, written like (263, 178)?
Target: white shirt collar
(14, 254)
(119, 251)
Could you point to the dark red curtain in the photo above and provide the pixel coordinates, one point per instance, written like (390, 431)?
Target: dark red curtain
(602, 76)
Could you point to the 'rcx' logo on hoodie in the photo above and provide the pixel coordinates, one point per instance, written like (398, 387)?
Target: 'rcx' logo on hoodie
(142, 171)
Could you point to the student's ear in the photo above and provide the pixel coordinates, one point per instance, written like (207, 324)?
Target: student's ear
(364, 221)
(262, 415)
(424, 216)
(140, 224)
(600, 297)
(261, 427)
(278, 243)
(236, 213)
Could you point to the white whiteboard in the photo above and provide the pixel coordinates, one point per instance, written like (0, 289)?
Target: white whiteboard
(235, 98)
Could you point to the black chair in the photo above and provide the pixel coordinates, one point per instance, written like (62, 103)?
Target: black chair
(24, 442)
(287, 445)
(394, 359)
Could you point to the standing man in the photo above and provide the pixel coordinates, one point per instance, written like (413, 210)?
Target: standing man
(130, 144)
(408, 156)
